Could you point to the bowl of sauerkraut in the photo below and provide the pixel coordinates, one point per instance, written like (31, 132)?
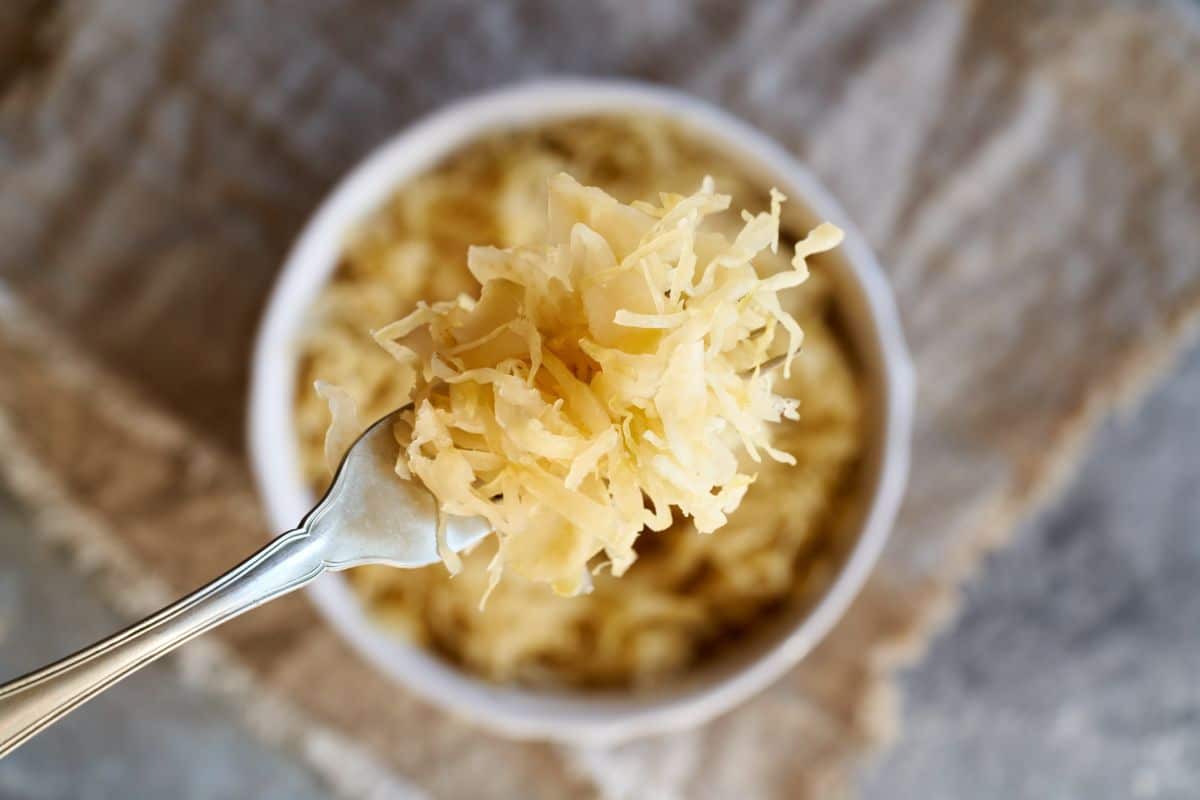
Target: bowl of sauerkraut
(691, 622)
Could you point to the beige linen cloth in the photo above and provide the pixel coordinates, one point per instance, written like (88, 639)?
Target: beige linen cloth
(1029, 174)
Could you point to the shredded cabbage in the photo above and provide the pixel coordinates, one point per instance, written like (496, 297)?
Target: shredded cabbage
(687, 596)
(602, 381)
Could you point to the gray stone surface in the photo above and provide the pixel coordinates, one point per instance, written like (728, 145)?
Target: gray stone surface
(149, 737)
(1074, 669)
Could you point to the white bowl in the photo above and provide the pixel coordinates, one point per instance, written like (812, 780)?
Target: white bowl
(869, 314)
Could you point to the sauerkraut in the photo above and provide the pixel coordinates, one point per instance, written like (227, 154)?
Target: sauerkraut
(585, 393)
(601, 380)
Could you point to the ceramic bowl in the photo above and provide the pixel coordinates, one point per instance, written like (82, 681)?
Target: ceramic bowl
(870, 320)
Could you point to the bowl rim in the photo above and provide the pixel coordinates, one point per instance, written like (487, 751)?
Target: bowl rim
(517, 712)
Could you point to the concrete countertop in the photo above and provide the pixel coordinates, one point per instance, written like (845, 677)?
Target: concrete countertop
(1074, 667)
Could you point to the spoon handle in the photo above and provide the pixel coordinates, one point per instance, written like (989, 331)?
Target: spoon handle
(30, 703)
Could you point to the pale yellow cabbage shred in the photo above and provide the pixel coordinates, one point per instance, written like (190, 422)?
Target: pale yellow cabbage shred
(603, 380)
(687, 594)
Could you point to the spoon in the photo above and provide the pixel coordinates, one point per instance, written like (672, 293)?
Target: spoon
(368, 516)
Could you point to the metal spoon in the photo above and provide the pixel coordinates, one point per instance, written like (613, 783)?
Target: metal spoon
(368, 516)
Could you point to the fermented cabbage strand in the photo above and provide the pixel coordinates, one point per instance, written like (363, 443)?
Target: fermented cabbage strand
(599, 381)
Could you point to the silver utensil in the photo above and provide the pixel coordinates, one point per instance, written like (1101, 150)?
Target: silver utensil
(368, 516)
